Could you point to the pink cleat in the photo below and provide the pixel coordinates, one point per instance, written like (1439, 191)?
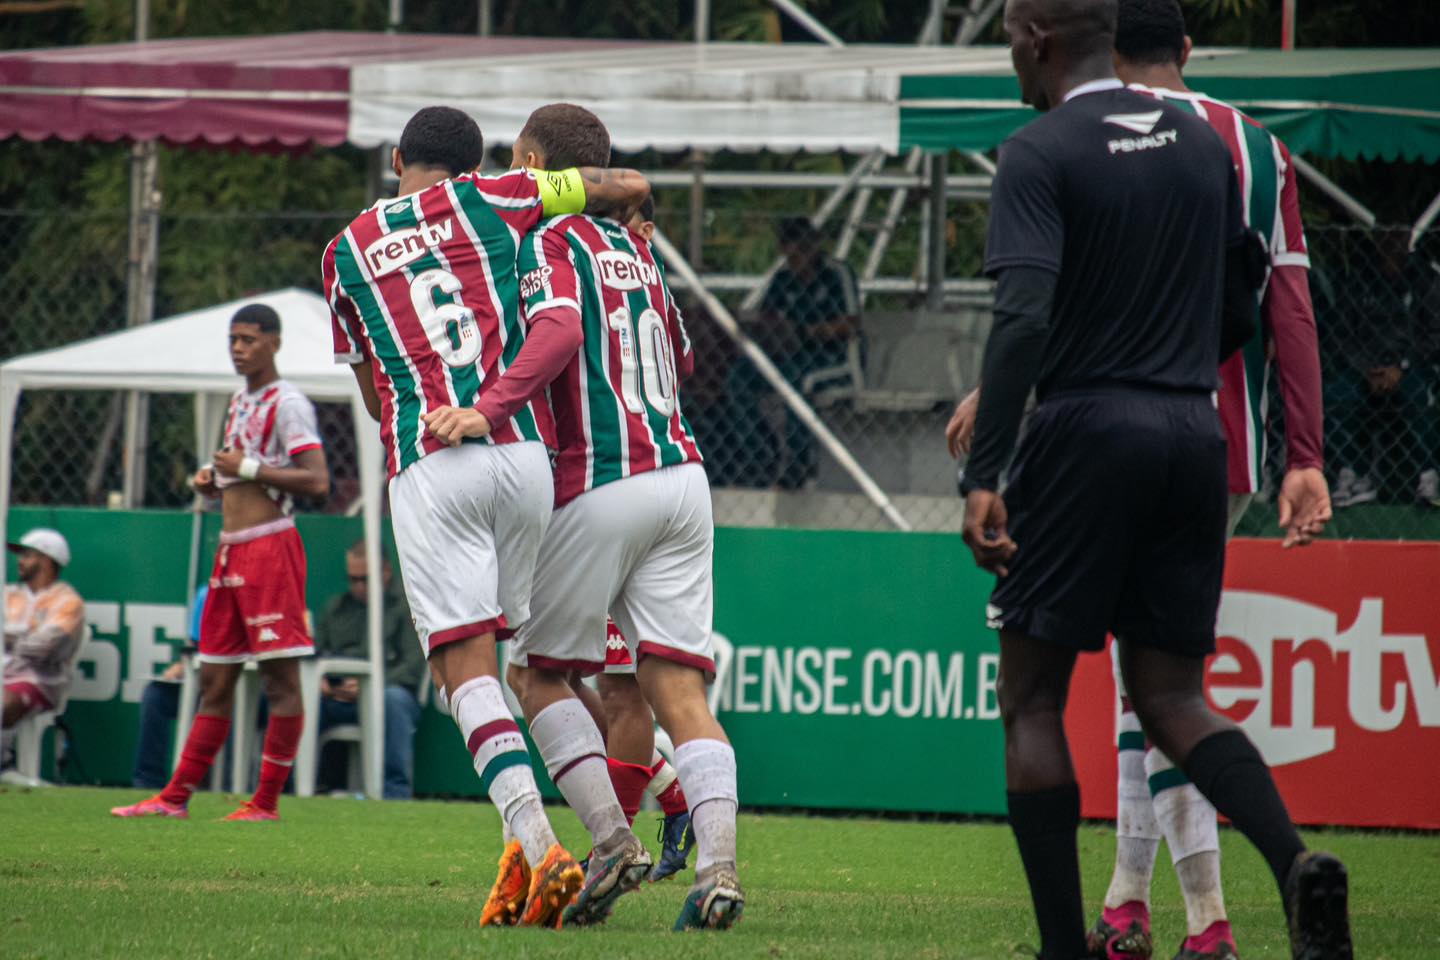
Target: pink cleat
(1215, 943)
(153, 807)
(249, 813)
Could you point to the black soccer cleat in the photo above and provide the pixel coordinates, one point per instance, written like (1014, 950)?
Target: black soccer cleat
(1317, 906)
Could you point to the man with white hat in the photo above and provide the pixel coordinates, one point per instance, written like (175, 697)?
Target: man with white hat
(44, 627)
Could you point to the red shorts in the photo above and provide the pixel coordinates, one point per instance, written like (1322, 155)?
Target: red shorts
(29, 696)
(617, 651)
(256, 604)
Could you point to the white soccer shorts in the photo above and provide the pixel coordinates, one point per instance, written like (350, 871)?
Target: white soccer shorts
(468, 523)
(640, 548)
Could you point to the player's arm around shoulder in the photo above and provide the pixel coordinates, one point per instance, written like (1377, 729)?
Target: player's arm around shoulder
(613, 192)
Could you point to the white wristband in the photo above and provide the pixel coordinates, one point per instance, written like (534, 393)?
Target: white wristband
(249, 468)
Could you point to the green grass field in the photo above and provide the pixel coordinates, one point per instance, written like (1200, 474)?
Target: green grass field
(357, 879)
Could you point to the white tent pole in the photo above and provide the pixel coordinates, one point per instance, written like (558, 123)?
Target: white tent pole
(367, 448)
(702, 21)
(792, 398)
(1427, 219)
(1357, 210)
(9, 399)
(815, 28)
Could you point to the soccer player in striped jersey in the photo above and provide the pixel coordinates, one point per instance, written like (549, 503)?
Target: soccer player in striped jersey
(632, 533)
(256, 605)
(426, 310)
(1155, 798)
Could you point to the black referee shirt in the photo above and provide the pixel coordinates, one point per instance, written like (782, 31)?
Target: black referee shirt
(1132, 202)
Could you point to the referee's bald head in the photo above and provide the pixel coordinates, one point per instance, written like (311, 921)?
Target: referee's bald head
(1053, 39)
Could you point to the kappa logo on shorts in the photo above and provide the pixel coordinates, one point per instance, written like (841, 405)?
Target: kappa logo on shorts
(616, 642)
(268, 636)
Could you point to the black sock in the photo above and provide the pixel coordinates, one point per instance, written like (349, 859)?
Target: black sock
(1230, 772)
(1045, 823)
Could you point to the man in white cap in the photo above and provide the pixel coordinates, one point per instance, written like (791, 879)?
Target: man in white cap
(44, 627)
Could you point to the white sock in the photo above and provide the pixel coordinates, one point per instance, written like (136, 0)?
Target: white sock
(1137, 835)
(1188, 821)
(574, 753)
(502, 762)
(707, 768)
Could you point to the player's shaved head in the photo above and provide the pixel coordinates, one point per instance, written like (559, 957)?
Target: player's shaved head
(442, 138)
(1056, 44)
(566, 135)
(1151, 32)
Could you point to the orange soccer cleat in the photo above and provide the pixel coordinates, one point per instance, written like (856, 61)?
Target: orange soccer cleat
(153, 807)
(553, 887)
(248, 812)
(512, 885)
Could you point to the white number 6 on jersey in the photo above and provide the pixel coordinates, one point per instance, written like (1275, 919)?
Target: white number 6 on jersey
(454, 334)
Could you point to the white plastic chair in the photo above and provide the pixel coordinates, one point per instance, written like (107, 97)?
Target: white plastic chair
(307, 755)
(30, 731)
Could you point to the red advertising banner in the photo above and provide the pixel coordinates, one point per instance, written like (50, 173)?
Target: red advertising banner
(1328, 658)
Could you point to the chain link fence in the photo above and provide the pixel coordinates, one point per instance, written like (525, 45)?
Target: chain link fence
(840, 311)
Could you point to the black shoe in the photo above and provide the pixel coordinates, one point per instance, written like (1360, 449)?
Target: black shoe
(1316, 903)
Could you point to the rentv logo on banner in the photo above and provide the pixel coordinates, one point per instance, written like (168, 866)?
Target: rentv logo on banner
(1326, 657)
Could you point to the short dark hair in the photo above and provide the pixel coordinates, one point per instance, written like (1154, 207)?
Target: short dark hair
(797, 230)
(442, 138)
(569, 136)
(260, 314)
(647, 209)
(1151, 31)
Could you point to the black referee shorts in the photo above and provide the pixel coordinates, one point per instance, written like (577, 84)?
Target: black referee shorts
(1117, 504)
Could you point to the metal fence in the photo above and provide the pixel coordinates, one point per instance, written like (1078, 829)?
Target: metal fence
(842, 315)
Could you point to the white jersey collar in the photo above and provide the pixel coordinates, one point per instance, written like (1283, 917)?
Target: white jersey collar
(1094, 86)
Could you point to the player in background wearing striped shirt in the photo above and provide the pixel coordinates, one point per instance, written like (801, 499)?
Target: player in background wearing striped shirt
(256, 605)
(426, 310)
(632, 535)
(1154, 795)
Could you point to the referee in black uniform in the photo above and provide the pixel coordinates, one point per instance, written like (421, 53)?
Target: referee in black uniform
(1124, 274)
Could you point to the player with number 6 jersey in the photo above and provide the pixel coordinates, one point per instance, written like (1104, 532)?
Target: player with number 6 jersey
(425, 306)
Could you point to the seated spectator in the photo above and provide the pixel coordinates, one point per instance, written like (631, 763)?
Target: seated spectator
(341, 632)
(809, 315)
(44, 627)
(1380, 435)
(159, 706)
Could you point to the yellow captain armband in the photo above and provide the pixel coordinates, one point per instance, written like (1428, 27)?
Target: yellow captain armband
(561, 191)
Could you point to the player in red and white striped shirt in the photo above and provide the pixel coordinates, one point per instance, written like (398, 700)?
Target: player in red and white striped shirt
(256, 605)
(426, 310)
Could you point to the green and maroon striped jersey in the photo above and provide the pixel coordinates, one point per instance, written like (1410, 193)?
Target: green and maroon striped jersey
(1271, 201)
(424, 287)
(617, 402)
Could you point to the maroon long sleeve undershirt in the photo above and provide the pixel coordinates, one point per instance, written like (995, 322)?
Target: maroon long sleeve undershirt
(1290, 319)
(554, 337)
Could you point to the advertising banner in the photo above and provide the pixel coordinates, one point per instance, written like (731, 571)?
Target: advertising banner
(863, 676)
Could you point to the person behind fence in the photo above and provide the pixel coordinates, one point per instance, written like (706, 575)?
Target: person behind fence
(341, 632)
(159, 706)
(1380, 429)
(808, 317)
(44, 627)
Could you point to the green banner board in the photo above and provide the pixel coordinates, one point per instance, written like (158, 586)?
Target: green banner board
(861, 677)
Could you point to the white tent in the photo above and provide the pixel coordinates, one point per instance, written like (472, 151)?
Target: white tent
(190, 354)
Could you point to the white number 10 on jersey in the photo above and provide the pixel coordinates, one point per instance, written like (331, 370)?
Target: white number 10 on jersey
(648, 365)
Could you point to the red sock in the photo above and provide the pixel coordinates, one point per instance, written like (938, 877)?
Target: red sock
(672, 798)
(629, 780)
(282, 735)
(207, 736)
